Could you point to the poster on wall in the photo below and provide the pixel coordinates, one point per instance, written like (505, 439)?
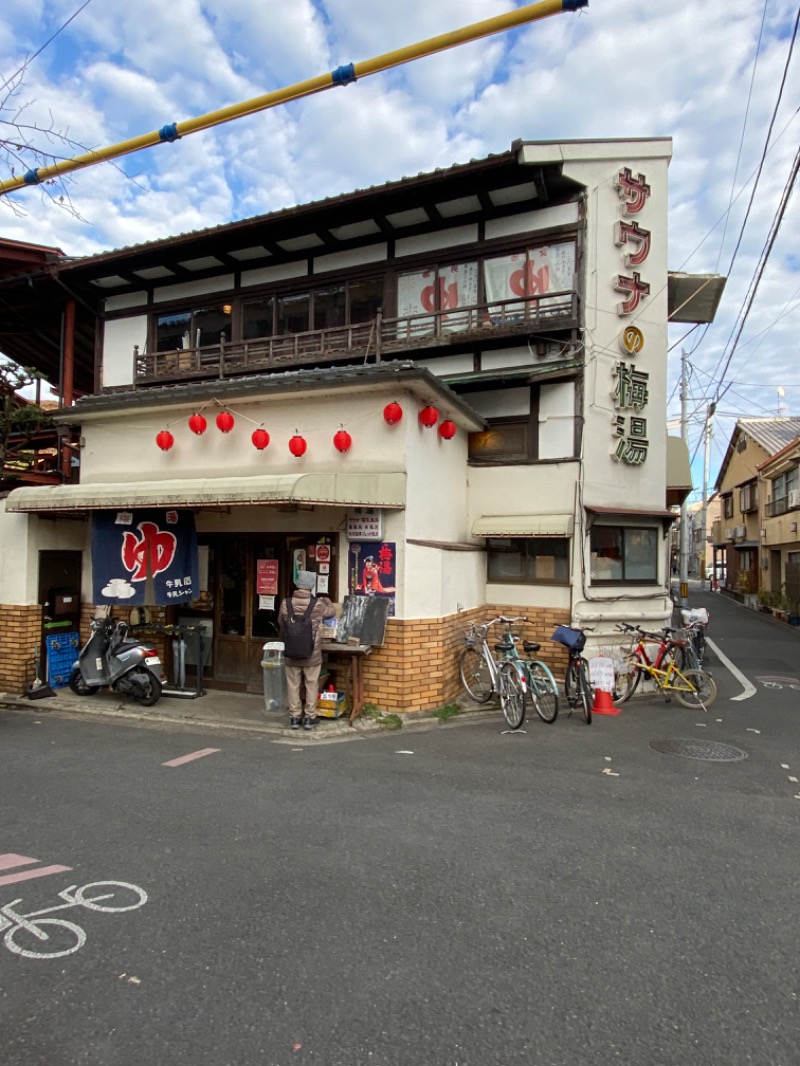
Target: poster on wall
(371, 570)
(267, 577)
(144, 557)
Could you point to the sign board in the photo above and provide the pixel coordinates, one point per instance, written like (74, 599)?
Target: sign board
(267, 577)
(601, 673)
(365, 523)
(363, 617)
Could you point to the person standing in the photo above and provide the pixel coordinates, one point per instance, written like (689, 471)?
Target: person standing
(304, 672)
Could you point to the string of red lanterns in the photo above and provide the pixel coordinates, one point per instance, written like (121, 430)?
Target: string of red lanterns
(342, 440)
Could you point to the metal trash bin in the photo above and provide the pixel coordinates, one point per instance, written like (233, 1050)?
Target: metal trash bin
(275, 696)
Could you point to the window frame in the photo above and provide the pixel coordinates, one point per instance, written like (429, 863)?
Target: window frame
(525, 544)
(625, 530)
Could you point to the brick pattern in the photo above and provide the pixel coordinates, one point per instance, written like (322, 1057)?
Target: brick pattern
(22, 634)
(417, 666)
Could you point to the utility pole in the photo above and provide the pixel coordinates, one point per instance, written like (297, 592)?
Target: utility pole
(704, 509)
(683, 574)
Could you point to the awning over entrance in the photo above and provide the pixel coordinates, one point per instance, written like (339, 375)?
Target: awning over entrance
(523, 525)
(385, 489)
(679, 471)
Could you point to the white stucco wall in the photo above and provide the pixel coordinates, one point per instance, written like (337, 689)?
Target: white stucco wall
(121, 334)
(22, 537)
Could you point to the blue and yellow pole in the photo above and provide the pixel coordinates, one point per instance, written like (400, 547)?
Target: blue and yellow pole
(340, 76)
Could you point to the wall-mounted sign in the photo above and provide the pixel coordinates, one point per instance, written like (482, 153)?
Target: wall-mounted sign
(364, 523)
(267, 577)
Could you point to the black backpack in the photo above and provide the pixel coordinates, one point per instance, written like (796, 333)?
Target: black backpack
(298, 636)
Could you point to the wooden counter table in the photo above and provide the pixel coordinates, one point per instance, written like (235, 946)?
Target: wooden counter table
(354, 655)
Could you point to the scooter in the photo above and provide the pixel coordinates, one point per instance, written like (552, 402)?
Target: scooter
(110, 659)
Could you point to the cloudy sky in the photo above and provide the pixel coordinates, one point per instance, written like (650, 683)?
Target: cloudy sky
(718, 76)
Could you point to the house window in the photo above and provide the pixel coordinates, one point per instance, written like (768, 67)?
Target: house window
(526, 424)
(748, 497)
(528, 560)
(785, 483)
(727, 506)
(624, 553)
(440, 288)
(328, 307)
(193, 329)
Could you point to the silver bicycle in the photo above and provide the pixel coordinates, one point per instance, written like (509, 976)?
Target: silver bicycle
(483, 676)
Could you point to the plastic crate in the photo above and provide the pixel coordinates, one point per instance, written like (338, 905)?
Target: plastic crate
(62, 651)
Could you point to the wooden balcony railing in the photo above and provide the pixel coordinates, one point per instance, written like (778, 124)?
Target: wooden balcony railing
(375, 340)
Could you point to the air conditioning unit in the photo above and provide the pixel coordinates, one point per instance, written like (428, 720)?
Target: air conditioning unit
(793, 498)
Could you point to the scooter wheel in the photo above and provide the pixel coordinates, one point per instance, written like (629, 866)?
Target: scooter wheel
(150, 688)
(78, 685)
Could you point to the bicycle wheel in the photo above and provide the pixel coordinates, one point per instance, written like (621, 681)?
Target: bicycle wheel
(511, 691)
(704, 689)
(585, 690)
(544, 692)
(627, 683)
(475, 675)
(570, 683)
(24, 941)
(100, 901)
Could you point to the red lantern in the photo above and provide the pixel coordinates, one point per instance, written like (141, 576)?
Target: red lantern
(392, 413)
(197, 424)
(225, 421)
(429, 416)
(297, 445)
(165, 440)
(447, 429)
(342, 440)
(260, 438)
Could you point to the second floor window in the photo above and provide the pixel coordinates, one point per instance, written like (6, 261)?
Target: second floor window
(193, 329)
(748, 497)
(328, 307)
(727, 506)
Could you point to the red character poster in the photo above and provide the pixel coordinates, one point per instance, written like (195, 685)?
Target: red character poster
(372, 570)
(267, 577)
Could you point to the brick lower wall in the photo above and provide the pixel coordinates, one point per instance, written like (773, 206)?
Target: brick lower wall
(22, 633)
(416, 668)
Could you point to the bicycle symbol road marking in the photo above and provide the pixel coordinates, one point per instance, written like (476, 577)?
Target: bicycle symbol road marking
(778, 682)
(36, 937)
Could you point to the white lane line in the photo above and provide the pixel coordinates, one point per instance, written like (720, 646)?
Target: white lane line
(748, 687)
(190, 758)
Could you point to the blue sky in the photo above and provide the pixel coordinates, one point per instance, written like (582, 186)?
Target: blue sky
(703, 73)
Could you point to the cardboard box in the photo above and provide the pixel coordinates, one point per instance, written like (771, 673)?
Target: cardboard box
(333, 705)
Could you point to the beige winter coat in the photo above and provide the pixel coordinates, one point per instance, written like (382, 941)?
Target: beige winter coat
(323, 608)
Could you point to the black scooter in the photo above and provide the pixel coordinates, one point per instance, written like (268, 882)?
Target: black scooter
(110, 659)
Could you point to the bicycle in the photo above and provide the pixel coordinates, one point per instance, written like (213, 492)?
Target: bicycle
(691, 687)
(483, 676)
(540, 684)
(19, 927)
(577, 687)
(695, 620)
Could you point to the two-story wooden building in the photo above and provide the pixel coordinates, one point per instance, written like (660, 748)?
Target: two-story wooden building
(458, 378)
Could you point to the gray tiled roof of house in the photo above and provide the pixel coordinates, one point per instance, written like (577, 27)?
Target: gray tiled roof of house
(772, 434)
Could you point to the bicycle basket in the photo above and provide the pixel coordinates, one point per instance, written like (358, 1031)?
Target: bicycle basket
(570, 638)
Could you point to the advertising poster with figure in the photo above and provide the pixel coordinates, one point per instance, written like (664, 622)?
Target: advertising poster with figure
(139, 553)
(372, 570)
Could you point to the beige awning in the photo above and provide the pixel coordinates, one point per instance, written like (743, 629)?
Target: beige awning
(386, 489)
(523, 525)
(679, 471)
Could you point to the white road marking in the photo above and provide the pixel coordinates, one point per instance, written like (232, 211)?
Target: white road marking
(748, 687)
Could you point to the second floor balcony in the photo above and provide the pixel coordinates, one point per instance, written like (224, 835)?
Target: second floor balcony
(783, 504)
(373, 341)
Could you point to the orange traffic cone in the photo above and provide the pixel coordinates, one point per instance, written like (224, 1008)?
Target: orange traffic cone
(603, 704)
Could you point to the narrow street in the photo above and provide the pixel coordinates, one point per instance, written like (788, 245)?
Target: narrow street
(558, 897)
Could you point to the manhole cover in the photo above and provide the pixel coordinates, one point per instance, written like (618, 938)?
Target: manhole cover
(710, 750)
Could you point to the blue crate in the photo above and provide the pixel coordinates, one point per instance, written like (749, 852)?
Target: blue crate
(62, 651)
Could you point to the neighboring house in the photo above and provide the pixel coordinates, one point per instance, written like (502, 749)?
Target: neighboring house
(459, 378)
(780, 495)
(741, 536)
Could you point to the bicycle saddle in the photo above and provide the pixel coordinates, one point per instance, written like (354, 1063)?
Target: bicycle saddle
(504, 646)
(529, 645)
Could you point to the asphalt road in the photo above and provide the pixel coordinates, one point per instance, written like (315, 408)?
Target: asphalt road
(566, 896)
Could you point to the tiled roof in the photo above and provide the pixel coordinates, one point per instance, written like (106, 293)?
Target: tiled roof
(773, 434)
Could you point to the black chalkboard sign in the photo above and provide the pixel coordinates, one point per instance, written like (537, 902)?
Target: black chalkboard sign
(363, 617)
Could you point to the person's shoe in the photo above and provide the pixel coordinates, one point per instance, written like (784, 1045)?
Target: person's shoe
(295, 723)
(309, 723)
